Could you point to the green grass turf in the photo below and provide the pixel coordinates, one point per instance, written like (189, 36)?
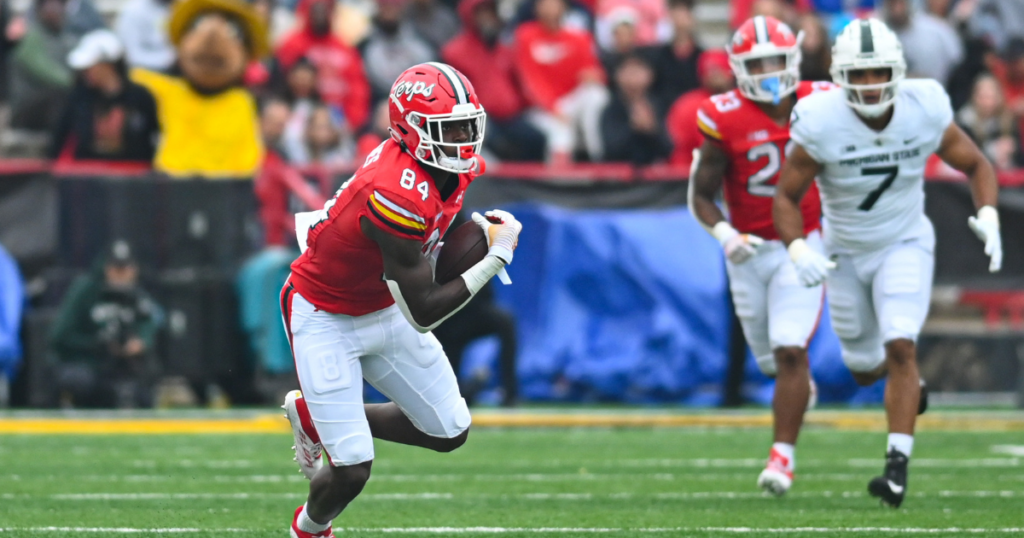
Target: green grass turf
(629, 479)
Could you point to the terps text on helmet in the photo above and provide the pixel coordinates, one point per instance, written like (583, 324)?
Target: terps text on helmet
(413, 88)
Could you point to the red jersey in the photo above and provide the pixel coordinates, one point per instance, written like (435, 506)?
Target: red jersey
(342, 271)
(757, 147)
(550, 62)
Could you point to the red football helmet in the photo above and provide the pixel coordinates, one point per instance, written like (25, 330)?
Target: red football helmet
(426, 100)
(768, 47)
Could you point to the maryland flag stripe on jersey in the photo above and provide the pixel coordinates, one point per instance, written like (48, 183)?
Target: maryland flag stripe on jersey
(393, 216)
(707, 125)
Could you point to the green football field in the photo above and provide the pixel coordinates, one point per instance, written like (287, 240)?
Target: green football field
(563, 482)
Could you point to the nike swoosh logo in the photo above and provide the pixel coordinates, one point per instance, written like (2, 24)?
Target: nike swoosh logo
(898, 490)
(909, 140)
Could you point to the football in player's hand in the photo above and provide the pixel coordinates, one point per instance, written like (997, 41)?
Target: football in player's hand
(463, 248)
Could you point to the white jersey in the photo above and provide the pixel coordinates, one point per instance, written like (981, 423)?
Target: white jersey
(872, 183)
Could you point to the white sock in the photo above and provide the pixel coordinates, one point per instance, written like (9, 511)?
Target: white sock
(787, 451)
(902, 442)
(308, 525)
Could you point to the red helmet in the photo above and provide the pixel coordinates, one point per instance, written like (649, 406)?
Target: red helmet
(769, 46)
(423, 100)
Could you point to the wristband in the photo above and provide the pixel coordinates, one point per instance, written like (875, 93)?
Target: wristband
(723, 232)
(988, 213)
(478, 275)
(797, 249)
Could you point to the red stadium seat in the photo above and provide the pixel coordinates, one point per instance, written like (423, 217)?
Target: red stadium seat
(996, 305)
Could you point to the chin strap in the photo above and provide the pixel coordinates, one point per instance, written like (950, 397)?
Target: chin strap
(474, 164)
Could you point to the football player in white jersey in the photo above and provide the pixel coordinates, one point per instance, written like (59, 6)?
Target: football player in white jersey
(867, 146)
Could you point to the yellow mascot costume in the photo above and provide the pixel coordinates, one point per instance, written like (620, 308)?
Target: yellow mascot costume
(208, 121)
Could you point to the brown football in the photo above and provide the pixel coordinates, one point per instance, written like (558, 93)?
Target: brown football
(463, 248)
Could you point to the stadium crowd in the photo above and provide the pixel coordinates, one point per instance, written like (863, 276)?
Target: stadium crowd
(561, 80)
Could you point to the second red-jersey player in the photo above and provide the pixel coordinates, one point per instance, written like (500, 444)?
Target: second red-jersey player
(746, 135)
(756, 146)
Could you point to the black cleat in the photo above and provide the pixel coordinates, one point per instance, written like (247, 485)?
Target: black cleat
(922, 404)
(892, 486)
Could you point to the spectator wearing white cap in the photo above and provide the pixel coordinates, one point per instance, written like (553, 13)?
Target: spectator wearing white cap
(107, 116)
(650, 21)
(623, 28)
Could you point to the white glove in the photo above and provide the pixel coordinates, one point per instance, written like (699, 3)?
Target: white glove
(986, 227)
(738, 247)
(811, 266)
(502, 235)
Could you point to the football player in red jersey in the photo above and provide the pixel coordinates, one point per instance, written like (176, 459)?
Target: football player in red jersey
(361, 300)
(746, 138)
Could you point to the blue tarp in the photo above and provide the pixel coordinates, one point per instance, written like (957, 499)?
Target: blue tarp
(633, 305)
(12, 303)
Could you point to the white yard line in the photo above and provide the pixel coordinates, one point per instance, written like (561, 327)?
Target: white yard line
(232, 496)
(542, 530)
(205, 464)
(705, 463)
(697, 463)
(594, 477)
(942, 462)
(533, 496)
(258, 479)
(675, 530)
(449, 478)
(1012, 450)
(117, 530)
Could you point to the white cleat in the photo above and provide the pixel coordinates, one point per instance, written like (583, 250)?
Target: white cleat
(777, 476)
(775, 482)
(308, 450)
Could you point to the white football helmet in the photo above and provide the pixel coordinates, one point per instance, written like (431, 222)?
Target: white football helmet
(868, 44)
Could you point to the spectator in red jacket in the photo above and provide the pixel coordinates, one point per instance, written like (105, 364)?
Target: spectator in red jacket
(278, 221)
(490, 64)
(563, 80)
(715, 77)
(341, 78)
